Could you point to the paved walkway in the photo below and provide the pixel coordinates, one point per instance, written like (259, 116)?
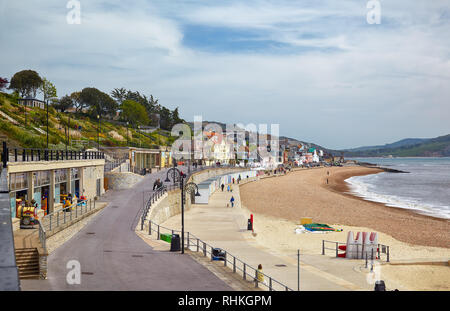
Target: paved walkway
(113, 257)
(225, 227)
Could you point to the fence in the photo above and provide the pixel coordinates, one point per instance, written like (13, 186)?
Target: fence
(58, 218)
(248, 272)
(111, 165)
(30, 155)
(358, 252)
(153, 198)
(42, 236)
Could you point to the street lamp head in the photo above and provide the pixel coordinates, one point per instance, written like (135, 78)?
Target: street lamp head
(167, 179)
(98, 117)
(197, 194)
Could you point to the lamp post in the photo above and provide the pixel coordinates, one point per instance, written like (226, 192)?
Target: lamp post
(127, 134)
(68, 133)
(190, 188)
(139, 131)
(47, 116)
(98, 132)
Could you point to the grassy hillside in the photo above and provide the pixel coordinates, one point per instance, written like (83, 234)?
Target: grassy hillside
(434, 147)
(30, 130)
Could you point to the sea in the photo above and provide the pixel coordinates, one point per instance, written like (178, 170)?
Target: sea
(425, 189)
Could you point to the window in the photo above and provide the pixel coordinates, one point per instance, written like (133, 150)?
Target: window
(41, 178)
(74, 173)
(18, 181)
(60, 176)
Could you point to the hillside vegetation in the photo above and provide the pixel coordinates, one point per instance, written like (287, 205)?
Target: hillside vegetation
(433, 147)
(26, 127)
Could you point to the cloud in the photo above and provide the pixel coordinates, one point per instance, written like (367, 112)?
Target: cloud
(315, 67)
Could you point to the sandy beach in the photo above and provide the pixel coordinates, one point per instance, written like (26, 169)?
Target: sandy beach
(305, 193)
(415, 240)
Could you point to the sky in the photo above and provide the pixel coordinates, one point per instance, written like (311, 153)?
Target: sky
(317, 68)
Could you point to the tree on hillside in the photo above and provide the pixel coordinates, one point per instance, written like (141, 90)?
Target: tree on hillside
(64, 103)
(3, 83)
(119, 95)
(176, 117)
(47, 89)
(77, 102)
(99, 103)
(166, 118)
(134, 112)
(26, 83)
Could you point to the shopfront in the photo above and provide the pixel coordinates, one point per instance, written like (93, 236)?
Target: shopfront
(18, 190)
(60, 184)
(41, 184)
(75, 181)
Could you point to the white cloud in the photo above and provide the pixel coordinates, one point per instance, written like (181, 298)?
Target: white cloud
(385, 82)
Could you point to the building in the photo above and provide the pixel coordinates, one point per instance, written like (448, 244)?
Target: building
(46, 181)
(31, 102)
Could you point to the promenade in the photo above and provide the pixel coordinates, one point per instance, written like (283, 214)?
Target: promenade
(113, 257)
(226, 228)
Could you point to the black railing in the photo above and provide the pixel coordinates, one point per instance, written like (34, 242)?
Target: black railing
(376, 252)
(237, 265)
(31, 155)
(153, 198)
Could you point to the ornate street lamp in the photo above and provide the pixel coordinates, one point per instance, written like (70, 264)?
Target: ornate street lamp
(190, 188)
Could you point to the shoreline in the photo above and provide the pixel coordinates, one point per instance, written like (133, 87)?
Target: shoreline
(333, 204)
(342, 187)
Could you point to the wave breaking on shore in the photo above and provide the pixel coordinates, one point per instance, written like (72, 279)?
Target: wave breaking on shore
(361, 189)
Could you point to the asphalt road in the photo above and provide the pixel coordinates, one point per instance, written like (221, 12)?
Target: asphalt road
(113, 257)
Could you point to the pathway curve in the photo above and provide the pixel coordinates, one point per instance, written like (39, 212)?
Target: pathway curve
(226, 228)
(113, 257)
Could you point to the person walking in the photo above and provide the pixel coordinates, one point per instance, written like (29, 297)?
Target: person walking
(222, 186)
(228, 188)
(232, 201)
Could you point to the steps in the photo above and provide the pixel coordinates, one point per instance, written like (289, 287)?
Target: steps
(27, 260)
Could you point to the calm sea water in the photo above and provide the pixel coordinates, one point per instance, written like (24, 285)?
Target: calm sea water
(425, 189)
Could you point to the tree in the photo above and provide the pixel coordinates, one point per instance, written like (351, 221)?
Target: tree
(99, 103)
(175, 117)
(166, 119)
(119, 95)
(26, 83)
(3, 83)
(77, 102)
(64, 103)
(48, 89)
(134, 112)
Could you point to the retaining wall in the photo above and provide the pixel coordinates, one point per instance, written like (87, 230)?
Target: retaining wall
(121, 181)
(170, 204)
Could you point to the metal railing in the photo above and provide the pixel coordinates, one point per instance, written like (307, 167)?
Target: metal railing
(153, 198)
(31, 155)
(58, 218)
(358, 252)
(248, 272)
(42, 236)
(111, 165)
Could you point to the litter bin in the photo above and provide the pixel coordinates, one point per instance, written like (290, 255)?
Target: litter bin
(175, 243)
(218, 254)
(249, 224)
(379, 286)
